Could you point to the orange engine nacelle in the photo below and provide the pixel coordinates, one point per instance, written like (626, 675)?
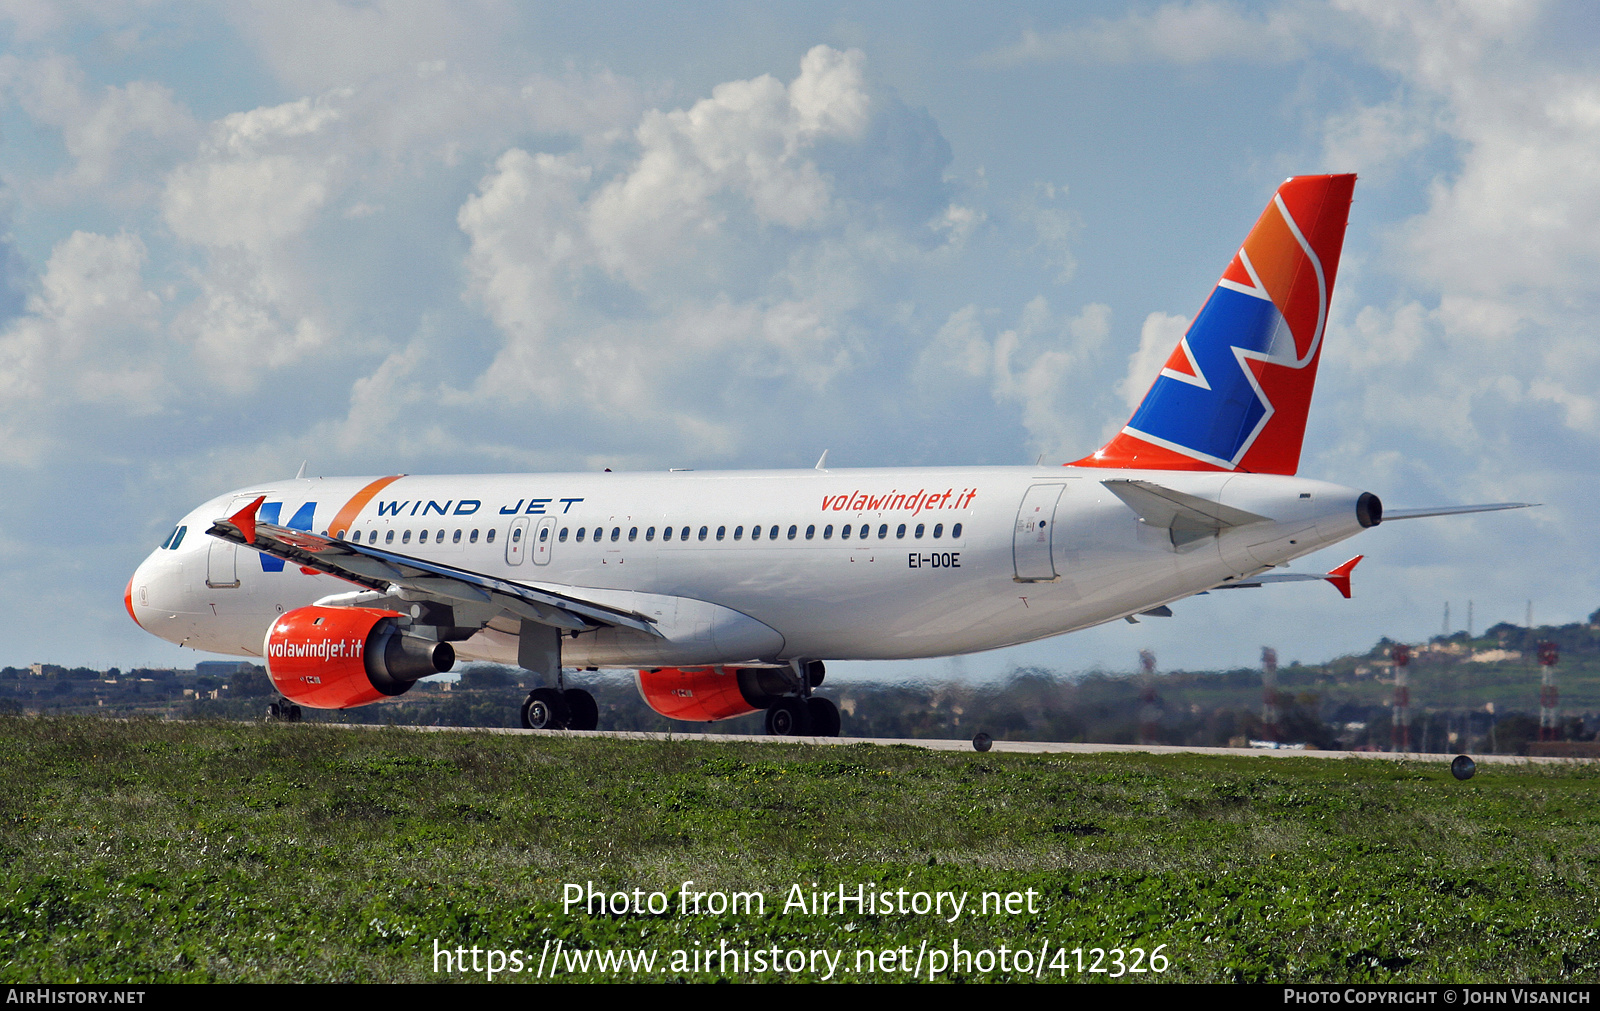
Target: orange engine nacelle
(707, 694)
(339, 657)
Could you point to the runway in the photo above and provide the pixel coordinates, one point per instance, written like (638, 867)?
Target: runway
(1008, 747)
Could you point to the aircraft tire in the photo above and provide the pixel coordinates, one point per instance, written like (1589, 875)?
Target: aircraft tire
(788, 717)
(582, 712)
(292, 713)
(824, 717)
(544, 709)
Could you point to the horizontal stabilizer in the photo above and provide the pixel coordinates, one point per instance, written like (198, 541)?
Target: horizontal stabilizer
(1417, 514)
(1188, 517)
(1340, 578)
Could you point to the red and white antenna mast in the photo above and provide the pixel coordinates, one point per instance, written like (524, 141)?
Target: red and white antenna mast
(1269, 694)
(1401, 655)
(1549, 698)
(1148, 713)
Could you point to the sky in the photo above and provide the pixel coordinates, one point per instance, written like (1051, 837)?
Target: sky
(507, 237)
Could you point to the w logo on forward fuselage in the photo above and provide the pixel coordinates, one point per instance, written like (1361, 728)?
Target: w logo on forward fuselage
(1235, 391)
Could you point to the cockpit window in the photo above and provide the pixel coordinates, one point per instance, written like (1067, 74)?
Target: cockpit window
(177, 537)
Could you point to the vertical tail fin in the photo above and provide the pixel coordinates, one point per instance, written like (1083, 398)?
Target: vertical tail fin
(1235, 391)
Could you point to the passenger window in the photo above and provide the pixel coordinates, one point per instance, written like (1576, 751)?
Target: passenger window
(883, 531)
(900, 531)
(650, 534)
(599, 532)
(544, 535)
(633, 534)
(372, 537)
(844, 532)
(919, 531)
(722, 532)
(866, 528)
(516, 536)
(827, 532)
(955, 531)
(793, 530)
(439, 536)
(666, 533)
(422, 538)
(811, 531)
(683, 534)
(489, 537)
(938, 530)
(738, 533)
(581, 532)
(457, 538)
(472, 538)
(388, 538)
(703, 532)
(772, 534)
(405, 536)
(562, 536)
(616, 533)
(755, 533)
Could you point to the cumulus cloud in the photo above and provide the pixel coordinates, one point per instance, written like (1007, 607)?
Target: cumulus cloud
(87, 338)
(729, 244)
(1178, 33)
(117, 137)
(1030, 366)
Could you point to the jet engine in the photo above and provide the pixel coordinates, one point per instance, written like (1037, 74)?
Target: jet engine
(339, 657)
(707, 694)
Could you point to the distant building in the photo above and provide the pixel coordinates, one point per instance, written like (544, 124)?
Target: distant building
(221, 668)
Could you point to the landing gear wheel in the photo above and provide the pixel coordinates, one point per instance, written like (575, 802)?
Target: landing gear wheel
(582, 712)
(824, 717)
(544, 709)
(283, 712)
(788, 717)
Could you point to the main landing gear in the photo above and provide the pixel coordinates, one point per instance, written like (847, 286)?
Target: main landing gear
(283, 711)
(804, 715)
(552, 709)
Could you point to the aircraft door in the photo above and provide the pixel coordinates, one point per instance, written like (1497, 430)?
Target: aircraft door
(1030, 542)
(517, 541)
(544, 536)
(222, 558)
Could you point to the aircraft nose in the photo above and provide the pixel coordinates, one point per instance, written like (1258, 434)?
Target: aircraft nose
(148, 593)
(127, 599)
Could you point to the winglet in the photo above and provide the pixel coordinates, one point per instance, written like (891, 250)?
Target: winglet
(245, 520)
(1340, 577)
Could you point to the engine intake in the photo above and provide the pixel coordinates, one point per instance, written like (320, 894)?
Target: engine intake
(341, 657)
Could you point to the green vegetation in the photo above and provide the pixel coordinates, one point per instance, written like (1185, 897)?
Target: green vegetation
(149, 850)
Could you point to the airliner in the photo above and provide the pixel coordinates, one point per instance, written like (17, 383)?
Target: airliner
(727, 592)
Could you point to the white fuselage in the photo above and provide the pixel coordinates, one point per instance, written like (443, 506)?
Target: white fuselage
(952, 560)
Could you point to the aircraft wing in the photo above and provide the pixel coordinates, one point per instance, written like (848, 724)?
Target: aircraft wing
(1415, 514)
(415, 579)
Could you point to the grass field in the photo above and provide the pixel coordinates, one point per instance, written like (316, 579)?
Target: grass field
(147, 851)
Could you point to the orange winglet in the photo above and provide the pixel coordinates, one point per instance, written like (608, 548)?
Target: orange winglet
(1340, 577)
(245, 520)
